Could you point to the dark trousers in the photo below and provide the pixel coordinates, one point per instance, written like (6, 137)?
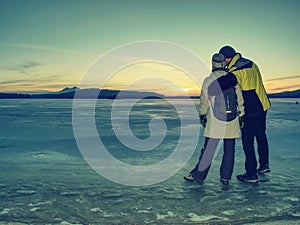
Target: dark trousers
(255, 127)
(207, 154)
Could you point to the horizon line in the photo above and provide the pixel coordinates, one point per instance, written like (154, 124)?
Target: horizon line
(148, 91)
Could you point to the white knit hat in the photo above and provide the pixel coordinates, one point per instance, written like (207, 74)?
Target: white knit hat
(218, 61)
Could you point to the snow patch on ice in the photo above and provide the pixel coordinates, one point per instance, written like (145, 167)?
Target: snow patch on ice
(163, 216)
(5, 211)
(26, 192)
(96, 210)
(297, 214)
(41, 155)
(229, 212)
(34, 209)
(197, 218)
(39, 203)
(293, 199)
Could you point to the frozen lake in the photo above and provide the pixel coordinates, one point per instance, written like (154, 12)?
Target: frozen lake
(45, 180)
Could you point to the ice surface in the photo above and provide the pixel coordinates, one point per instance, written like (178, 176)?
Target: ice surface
(45, 180)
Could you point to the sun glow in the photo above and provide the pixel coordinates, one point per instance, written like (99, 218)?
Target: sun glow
(155, 77)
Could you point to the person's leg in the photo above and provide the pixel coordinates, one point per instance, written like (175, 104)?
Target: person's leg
(201, 154)
(227, 164)
(262, 141)
(207, 153)
(190, 177)
(248, 145)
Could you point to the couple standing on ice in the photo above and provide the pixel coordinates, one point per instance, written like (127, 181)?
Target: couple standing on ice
(232, 72)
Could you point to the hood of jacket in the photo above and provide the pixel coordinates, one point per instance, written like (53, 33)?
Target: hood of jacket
(238, 62)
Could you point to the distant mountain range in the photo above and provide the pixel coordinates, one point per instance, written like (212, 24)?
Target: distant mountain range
(286, 94)
(112, 94)
(85, 93)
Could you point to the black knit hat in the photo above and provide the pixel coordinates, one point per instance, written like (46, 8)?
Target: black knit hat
(227, 51)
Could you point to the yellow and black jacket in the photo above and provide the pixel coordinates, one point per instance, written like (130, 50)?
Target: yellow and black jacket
(245, 73)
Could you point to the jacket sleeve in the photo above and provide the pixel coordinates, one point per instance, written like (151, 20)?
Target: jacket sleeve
(240, 100)
(222, 83)
(204, 104)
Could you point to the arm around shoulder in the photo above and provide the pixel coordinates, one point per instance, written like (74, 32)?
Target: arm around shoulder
(222, 83)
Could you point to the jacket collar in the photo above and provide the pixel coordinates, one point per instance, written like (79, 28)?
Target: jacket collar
(233, 61)
(217, 73)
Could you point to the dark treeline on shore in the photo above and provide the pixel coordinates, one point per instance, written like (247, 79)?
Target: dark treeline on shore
(69, 93)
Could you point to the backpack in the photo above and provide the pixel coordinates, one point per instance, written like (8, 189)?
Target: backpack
(225, 106)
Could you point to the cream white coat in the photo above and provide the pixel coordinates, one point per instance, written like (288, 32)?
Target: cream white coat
(214, 127)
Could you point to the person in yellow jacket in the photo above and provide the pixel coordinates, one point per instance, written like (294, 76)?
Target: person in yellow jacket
(216, 129)
(246, 73)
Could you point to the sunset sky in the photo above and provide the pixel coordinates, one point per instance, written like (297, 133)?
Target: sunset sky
(46, 45)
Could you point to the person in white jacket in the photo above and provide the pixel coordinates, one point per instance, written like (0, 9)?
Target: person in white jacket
(216, 130)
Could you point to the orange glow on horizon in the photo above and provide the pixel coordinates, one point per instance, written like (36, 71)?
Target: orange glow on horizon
(282, 84)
